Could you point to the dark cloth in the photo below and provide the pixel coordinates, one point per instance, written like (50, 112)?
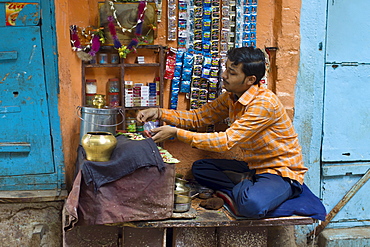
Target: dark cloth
(128, 156)
(306, 204)
(146, 194)
(264, 195)
(134, 185)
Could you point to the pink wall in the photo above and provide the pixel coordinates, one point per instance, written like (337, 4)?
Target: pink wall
(277, 26)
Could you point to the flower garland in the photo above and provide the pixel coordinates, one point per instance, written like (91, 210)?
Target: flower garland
(95, 37)
(86, 53)
(122, 49)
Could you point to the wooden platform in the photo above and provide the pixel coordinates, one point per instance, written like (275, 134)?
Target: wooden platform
(32, 196)
(197, 228)
(218, 218)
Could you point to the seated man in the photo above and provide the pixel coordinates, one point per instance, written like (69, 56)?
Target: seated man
(271, 170)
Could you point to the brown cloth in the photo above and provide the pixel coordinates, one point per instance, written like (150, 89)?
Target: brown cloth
(145, 194)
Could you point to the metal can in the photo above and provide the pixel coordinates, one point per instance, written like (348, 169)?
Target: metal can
(131, 125)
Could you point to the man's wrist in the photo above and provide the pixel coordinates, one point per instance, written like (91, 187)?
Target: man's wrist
(159, 113)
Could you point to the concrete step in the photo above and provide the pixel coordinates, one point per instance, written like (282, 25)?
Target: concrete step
(345, 237)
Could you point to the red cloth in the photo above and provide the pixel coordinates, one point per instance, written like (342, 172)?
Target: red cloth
(146, 194)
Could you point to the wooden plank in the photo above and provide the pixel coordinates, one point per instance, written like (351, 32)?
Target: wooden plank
(242, 236)
(195, 237)
(133, 237)
(32, 196)
(219, 218)
(92, 236)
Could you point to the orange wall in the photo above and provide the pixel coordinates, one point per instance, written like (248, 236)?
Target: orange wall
(277, 26)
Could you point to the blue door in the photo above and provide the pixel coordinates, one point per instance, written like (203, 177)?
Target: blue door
(26, 144)
(346, 120)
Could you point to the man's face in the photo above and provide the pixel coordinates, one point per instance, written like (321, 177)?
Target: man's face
(234, 79)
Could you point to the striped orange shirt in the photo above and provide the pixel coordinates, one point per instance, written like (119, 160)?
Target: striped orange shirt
(260, 127)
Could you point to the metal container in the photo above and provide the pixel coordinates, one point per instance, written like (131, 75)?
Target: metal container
(181, 207)
(182, 198)
(94, 119)
(98, 145)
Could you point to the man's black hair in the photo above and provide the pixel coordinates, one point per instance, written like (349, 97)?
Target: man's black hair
(253, 60)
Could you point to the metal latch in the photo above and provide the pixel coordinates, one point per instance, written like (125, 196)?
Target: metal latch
(349, 64)
(336, 65)
(15, 147)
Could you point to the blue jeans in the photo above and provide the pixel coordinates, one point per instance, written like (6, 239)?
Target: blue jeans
(253, 197)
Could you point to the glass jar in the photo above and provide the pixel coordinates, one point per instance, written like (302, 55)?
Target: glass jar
(114, 58)
(91, 86)
(103, 58)
(89, 99)
(113, 85)
(131, 125)
(139, 127)
(113, 99)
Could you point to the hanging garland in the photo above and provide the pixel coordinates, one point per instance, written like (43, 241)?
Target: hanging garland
(92, 38)
(90, 44)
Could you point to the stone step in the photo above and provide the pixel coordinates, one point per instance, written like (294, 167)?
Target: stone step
(356, 236)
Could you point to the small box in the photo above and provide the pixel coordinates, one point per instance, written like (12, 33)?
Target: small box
(140, 59)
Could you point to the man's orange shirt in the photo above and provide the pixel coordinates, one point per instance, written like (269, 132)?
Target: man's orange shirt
(260, 126)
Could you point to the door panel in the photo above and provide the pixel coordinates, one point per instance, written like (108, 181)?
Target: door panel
(355, 211)
(25, 141)
(348, 26)
(346, 132)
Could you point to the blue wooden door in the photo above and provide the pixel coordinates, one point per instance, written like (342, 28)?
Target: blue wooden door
(346, 122)
(26, 143)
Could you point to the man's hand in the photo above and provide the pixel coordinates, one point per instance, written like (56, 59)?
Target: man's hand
(148, 115)
(164, 132)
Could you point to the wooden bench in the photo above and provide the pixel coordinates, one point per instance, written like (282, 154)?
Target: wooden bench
(209, 228)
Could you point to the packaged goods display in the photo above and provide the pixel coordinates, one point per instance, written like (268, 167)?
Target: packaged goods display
(206, 30)
(141, 94)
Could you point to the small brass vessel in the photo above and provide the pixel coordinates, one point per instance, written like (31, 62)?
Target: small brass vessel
(98, 145)
(99, 101)
(182, 196)
(180, 187)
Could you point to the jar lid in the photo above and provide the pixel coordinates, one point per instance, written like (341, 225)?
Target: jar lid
(113, 93)
(113, 79)
(90, 80)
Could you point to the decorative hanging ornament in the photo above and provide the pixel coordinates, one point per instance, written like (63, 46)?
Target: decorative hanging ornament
(141, 12)
(90, 45)
(122, 49)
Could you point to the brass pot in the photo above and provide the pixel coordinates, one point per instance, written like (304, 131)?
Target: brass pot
(99, 101)
(98, 145)
(180, 186)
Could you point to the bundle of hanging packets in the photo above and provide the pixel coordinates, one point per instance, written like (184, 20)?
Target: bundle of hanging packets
(197, 75)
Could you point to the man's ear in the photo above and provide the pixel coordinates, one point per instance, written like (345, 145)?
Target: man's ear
(251, 79)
